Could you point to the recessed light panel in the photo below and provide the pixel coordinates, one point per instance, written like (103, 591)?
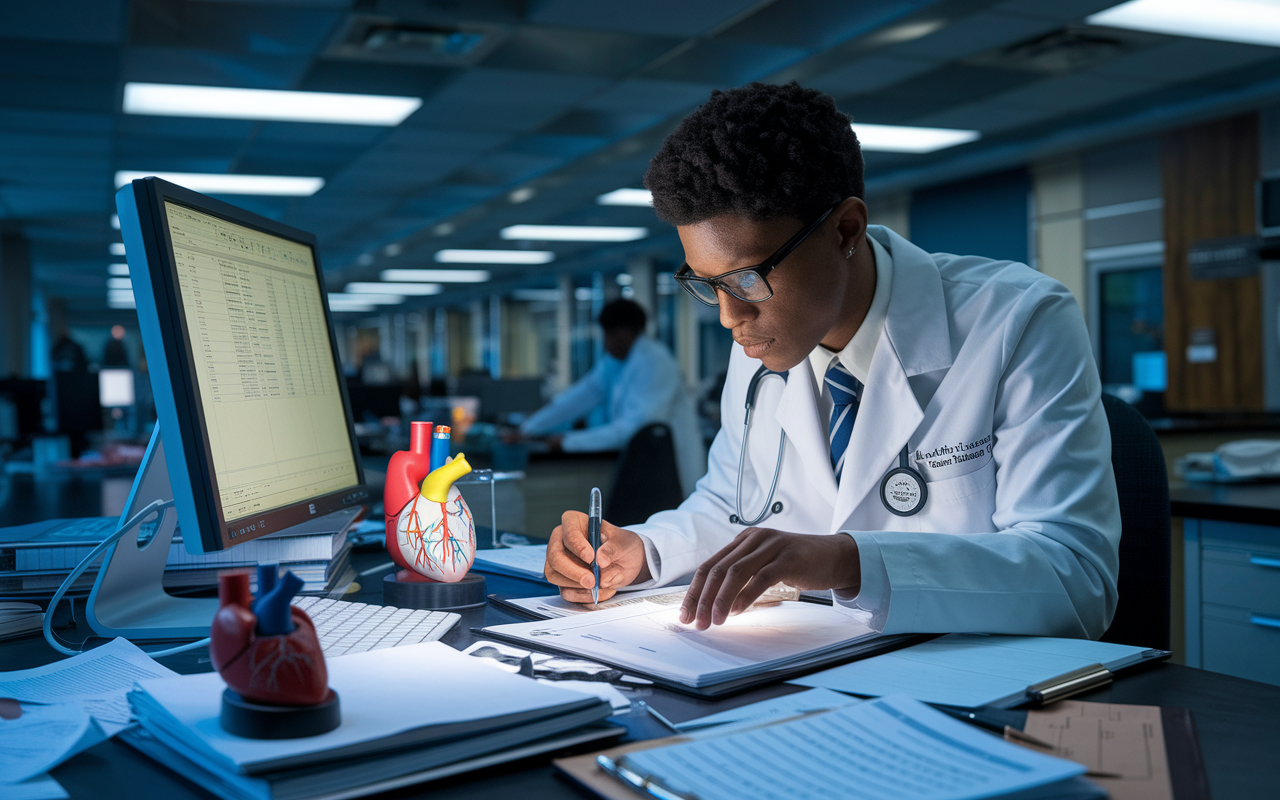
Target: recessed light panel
(407, 289)
(626, 197)
(227, 103)
(116, 248)
(908, 139)
(272, 185)
(495, 256)
(1245, 21)
(573, 233)
(436, 275)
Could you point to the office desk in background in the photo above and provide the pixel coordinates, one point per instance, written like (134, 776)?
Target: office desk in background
(1231, 574)
(1238, 722)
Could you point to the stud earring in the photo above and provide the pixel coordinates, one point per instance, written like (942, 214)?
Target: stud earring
(851, 250)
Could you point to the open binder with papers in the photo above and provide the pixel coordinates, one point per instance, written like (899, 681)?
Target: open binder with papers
(763, 645)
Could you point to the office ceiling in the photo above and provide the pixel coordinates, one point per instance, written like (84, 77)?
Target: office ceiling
(569, 98)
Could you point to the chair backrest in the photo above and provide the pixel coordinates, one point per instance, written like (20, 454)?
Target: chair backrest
(645, 481)
(1142, 616)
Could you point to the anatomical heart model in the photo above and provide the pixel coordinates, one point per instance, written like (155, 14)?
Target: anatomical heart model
(266, 649)
(435, 534)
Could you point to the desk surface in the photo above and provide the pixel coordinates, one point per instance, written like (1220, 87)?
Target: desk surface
(1254, 503)
(1236, 718)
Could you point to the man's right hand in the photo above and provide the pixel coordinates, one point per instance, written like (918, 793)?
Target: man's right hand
(621, 558)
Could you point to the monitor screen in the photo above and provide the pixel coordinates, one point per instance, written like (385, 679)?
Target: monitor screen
(270, 399)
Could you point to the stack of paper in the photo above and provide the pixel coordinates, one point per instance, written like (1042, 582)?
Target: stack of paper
(406, 711)
(19, 619)
(762, 643)
(516, 562)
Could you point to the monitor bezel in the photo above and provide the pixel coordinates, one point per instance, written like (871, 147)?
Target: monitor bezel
(178, 406)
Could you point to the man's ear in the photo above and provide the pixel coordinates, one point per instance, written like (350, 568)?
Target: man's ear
(851, 222)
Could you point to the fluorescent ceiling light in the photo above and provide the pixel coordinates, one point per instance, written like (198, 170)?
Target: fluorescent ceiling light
(116, 248)
(118, 269)
(907, 139)
(274, 185)
(115, 221)
(121, 302)
(1245, 21)
(495, 256)
(573, 233)
(367, 299)
(394, 288)
(626, 197)
(436, 275)
(226, 103)
(120, 283)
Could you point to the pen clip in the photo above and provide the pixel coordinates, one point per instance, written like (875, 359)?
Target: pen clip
(1072, 683)
(643, 783)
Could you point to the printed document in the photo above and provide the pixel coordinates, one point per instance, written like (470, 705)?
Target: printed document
(42, 738)
(893, 747)
(98, 680)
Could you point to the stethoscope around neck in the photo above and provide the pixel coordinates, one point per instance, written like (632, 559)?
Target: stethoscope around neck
(902, 490)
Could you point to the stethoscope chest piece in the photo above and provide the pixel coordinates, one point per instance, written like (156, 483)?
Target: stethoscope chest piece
(903, 490)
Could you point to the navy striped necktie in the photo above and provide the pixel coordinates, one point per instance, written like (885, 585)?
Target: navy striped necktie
(844, 390)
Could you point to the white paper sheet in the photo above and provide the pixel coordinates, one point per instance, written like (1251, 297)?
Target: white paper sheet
(968, 670)
(555, 606)
(42, 738)
(893, 747)
(616, 699)
(775, 709)
(98, 680)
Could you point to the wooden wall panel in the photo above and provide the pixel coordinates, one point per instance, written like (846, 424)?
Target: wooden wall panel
(1209, 175)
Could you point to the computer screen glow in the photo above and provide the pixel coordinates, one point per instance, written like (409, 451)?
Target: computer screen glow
(263, 363)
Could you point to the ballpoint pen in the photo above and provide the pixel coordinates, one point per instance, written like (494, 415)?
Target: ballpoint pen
(593, 538)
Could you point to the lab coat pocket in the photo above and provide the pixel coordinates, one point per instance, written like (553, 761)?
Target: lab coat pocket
(963, 504)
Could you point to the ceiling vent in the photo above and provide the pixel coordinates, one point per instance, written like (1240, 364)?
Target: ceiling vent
(367, 38)
(1072, 48)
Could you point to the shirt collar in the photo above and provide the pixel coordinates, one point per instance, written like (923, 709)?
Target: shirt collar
(856, 355)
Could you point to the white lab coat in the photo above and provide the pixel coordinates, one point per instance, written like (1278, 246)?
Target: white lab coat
(648, 388)
(985, 372)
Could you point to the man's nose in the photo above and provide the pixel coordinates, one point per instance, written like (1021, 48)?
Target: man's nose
(733, 311)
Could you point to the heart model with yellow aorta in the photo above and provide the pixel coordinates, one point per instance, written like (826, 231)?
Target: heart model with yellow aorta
(435, 531)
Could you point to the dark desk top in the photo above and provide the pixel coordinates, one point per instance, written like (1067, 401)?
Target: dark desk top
(1236, 719)
(1254, 503)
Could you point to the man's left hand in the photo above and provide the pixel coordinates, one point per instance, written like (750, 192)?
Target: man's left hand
(732, 579)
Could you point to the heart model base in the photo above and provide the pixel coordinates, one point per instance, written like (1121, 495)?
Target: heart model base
(269, 655)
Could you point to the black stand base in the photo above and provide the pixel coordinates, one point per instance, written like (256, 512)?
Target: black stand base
(256, 721)
(407, 589)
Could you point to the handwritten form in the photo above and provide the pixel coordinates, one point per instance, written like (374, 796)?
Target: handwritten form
(893, 747)
(1123, 746)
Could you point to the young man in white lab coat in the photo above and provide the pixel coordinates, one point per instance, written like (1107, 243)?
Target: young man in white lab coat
(976, 373)
(642, 384)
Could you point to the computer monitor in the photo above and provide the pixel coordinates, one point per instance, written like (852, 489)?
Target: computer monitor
(115, 388)
(254, 432)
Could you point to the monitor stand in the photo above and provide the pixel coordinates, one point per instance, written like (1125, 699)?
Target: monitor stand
(128, 598)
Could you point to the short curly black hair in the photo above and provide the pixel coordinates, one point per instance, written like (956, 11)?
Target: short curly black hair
(762, 151)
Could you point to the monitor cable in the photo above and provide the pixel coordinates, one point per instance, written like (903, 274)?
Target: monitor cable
(128, 525)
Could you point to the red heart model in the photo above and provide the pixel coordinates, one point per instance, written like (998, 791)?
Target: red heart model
(283, 670)
(404, 478)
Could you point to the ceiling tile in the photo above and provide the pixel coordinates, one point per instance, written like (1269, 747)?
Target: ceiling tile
(659, 17)
(503, 87)
(66, 20)
(1182, 59)
(239, 27)
(870, 74)
(1063, 10)
(212, 68)
(727, 63)
(603, 54)
(1071, 92)
(559, 146)
(589, 122)
(355, 77)
(975, 34)
(930, 92)
(819, 23)
(646, 94)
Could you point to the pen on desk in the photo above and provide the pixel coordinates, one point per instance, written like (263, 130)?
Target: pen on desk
(593, 538)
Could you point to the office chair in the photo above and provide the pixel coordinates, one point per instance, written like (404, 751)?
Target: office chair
(645, 481)
(1142, 615)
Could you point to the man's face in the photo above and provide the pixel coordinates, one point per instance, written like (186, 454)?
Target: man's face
(618, 341)
(810, 286)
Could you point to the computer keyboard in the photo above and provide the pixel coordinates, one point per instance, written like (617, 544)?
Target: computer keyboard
(345, 627)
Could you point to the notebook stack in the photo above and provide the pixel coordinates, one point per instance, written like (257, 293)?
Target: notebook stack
(36, 558)
(409, 714)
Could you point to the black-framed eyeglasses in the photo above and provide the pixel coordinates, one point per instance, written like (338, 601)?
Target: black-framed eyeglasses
(748, 284)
